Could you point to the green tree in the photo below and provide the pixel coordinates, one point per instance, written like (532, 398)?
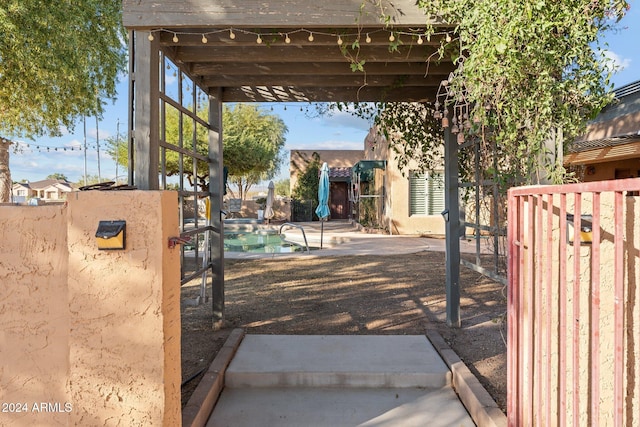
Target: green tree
(59, 59)
(307, 184)
(253, 145)
(282, 187)
(58, 175)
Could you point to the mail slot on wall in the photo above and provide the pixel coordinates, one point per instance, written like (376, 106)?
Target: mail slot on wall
(586, 228)
(111, 235)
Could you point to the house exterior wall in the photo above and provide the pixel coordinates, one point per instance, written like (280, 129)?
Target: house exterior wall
(607, 170)
(299, 159)
(101, 328)
(395, 216)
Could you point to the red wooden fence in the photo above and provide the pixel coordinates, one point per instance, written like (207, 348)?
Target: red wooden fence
(573, 304)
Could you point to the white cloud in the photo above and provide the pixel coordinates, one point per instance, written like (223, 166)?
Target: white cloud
(346, 119)
(614, 61)
(329, 145)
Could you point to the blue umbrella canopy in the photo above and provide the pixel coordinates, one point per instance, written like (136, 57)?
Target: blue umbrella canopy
(323, 193)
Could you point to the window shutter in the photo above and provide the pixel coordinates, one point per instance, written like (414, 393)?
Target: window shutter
(435, 195)
(417, 193)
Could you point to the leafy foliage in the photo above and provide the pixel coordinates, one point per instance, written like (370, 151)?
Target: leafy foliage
(282, 187)
(307, 184)
(58, 58)
(58, 175)
(253, 145)
(531, 73)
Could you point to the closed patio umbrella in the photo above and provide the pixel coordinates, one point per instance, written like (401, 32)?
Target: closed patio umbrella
(323, 198)
(268, 210)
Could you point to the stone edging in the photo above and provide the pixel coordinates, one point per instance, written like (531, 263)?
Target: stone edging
(483, 409)
(200, 405)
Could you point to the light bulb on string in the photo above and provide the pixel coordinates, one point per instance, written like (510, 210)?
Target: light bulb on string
(287, 40)
(310, 37)
(368, 39)
(232, 35)
(339, 40)
(204, 39)
(150, 37)
(420, 40)
(448, 38)
(259, 39)
(391, 37)
(175, 37)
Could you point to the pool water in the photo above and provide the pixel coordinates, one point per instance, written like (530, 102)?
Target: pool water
(258, 241)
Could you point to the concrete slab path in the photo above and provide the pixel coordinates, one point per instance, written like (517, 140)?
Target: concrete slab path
(369, 380)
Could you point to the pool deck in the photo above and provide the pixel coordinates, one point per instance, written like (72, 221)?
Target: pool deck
(346, 238)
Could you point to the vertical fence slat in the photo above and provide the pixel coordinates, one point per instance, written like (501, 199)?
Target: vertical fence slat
(562, 319)
(618, 393)
(521, 320)
(513, 253)
(537, 301)
(549, 288)
(595, 313)
(528, 305)
(575, 325)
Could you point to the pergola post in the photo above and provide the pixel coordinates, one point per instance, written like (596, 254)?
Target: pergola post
(145, 89)
(452, 228)
(216, 192)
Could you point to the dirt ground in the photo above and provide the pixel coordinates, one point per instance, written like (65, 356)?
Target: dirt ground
(391, 294)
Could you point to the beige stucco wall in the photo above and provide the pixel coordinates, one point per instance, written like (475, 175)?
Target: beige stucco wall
(396, 216)
(101, 331)
(34, 319)
(299, 159)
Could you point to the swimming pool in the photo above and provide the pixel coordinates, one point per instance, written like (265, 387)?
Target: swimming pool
(259, 240)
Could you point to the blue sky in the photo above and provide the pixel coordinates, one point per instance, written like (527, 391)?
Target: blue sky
(340, 131)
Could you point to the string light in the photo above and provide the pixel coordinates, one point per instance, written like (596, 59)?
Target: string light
(41, 148)
(286, 37)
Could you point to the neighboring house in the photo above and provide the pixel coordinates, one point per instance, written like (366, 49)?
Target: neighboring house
(47, 190)
(340, 163)
(610, 149)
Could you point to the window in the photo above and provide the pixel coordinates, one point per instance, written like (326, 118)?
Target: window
(426, 193)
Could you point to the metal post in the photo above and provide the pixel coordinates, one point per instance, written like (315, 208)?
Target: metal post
(216, 192)
(452, 228)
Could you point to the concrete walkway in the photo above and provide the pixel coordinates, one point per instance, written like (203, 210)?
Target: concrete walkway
(293, 381)
(334, 381)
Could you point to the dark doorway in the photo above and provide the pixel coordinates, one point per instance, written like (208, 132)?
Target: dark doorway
(339, 200)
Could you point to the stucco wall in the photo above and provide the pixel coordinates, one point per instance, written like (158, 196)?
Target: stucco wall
(396, 216)
(96, 330)
(299, 159)
(34, 319)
